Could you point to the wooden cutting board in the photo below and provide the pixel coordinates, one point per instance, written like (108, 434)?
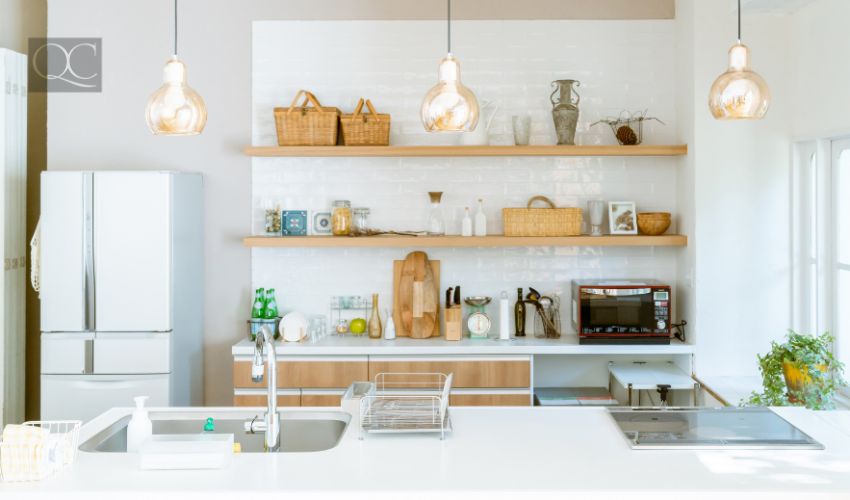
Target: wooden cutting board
(416, 287)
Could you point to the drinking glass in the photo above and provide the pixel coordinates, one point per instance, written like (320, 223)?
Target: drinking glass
(596, 211)
(522, 129)
(317, 328)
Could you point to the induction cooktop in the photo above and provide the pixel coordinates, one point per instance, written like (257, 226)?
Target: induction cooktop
(709, 428)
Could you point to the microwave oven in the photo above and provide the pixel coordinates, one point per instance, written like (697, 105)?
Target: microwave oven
(621, 311)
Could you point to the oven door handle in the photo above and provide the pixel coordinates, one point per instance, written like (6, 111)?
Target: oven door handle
(617, 292)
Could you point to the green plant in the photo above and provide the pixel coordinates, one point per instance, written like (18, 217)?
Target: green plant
(811, 354)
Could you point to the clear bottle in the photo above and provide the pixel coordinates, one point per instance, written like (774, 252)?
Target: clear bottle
(376, 329)
(466, 225)
(341, 218)
(360, 222)
(480, 220)
(436, 220)
(271, 305)
(259, 307)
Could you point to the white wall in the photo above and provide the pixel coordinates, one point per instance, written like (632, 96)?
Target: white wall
(622, 65)
(821, 76)
(741, 196)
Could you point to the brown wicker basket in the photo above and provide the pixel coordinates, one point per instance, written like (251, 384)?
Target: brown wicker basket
(370, 129)
(306, 126)
(542, 221)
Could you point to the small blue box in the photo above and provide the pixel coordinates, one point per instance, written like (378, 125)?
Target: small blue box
(294, 222)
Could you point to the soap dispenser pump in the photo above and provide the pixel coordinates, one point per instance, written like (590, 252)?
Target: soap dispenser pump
(140, 428)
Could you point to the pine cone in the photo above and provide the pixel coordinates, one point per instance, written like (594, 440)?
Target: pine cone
(626, 136)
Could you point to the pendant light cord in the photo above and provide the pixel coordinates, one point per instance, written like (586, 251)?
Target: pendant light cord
(739, 21)
(175, 27)
(449, 23)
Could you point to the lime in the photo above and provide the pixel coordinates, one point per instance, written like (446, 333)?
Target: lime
(357, 326)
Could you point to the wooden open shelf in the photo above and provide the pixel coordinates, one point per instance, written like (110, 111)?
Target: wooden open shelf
(668, 240)
(451, 151)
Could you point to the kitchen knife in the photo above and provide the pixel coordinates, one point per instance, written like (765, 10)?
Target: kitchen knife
(457, 295)
(449, 298)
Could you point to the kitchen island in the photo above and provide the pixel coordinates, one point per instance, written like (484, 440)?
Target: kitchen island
(492, 453)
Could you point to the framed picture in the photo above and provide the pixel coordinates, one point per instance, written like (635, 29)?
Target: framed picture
(622, 217)
(321, 223)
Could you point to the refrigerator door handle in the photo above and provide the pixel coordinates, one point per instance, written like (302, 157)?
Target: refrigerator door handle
(89, 357)
(88, 252)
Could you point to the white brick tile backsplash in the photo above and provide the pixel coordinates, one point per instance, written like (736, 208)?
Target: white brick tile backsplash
(621, 65)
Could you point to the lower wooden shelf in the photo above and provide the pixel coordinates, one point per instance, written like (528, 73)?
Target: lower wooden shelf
(391, 241)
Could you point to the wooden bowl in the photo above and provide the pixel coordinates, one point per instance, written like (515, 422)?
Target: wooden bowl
(653, 223)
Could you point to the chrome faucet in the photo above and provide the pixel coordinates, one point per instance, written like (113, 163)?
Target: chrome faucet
(270, 424)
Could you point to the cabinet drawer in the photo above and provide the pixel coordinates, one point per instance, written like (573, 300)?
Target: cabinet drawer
(293, 399)
(320, 373)
(469, 372)
(320, 398)
(496, 399)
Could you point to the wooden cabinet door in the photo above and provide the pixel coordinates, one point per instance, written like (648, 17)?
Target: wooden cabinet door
(469, 371)
(490, 399)
(336, 372)
(284, 398)
(321, 397)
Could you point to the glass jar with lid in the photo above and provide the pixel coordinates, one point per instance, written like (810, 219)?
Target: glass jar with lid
(360, 224)
(341, 218)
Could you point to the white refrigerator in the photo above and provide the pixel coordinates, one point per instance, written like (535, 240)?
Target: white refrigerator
(121, 280)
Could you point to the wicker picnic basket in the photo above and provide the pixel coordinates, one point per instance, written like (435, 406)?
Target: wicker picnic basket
(306, 126)
(549, 221)
(365, 129)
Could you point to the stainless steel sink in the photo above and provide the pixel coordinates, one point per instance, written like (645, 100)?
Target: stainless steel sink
(300, 431)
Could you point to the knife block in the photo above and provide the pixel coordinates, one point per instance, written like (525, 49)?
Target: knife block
(454, 323)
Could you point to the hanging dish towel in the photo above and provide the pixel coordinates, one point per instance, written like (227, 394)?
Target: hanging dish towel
(35, 259)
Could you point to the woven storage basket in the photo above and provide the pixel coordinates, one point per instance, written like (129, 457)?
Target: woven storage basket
(370, 129)
(306, 126)
(542, 221)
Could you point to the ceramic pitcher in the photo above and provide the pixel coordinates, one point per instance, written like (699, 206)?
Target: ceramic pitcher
(481, 135)
(565, 101)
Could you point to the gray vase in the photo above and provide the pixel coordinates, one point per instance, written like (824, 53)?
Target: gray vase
(565, 101)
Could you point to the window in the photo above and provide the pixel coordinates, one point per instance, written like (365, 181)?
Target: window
(821, 240)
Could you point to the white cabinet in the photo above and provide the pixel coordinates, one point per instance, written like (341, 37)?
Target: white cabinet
(94, 394)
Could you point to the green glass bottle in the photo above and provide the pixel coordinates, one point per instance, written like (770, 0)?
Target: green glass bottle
(271, 305)
(259, 307)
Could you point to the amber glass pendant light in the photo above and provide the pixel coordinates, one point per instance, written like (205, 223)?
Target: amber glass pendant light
(739, 93)
(175, 109)
(449, 106)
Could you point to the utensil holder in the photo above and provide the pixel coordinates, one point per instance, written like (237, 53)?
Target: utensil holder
(454, 323)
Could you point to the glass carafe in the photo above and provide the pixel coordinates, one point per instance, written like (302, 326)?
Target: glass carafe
(436, 220)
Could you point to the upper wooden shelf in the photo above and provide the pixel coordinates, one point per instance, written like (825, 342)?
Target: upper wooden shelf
(448, 151)
(667, 240)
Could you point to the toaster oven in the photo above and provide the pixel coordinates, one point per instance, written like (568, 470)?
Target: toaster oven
(621, 311)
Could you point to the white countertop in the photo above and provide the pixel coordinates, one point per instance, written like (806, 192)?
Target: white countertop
(352, 345)
(492, 453)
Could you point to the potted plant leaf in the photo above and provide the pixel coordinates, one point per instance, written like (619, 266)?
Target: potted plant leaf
(802, 371)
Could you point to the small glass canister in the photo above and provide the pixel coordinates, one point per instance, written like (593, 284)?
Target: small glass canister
(341, 218)
(361, 221)
(272, 217)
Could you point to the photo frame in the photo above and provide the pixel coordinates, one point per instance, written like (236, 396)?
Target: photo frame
(622, 217)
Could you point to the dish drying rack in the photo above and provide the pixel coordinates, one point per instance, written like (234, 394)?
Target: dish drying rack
(32, 459)
(407, 402)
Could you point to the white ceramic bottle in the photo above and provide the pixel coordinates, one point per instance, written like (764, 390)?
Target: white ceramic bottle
(466, 227)
(389, 330)
(480, 220)
(139, 429)
(504, 317)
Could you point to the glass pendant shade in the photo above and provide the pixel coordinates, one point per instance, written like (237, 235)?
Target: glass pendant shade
(739, 93)
(449, 106)
(175, 109)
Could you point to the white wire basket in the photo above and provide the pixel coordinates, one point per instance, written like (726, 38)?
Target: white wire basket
(407, 402)
(40, 451)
